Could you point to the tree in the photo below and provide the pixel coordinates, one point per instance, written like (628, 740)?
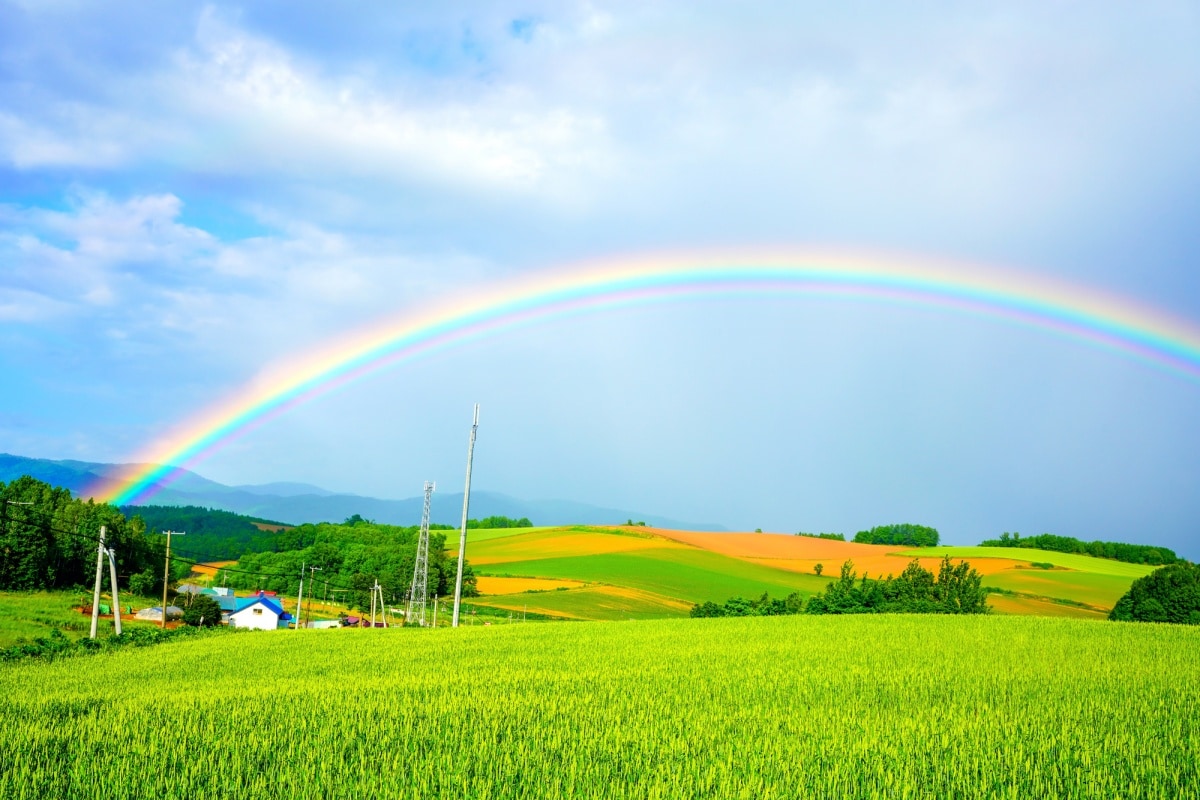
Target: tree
(1169, 594)
(145, 583)
(905, 534)
(819, 568)
(202, 610)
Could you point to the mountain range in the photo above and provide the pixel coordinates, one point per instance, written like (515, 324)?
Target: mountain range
(296, 503)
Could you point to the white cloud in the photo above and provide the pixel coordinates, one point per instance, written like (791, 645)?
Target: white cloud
(132, 269)
(276, 111)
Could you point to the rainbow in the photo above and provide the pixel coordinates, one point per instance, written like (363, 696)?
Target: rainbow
(1075, 311)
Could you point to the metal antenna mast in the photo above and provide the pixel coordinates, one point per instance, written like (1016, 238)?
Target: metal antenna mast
(462, 538)
(418, 596)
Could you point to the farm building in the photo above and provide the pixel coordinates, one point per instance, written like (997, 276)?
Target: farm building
(225, 600)
(261, 613)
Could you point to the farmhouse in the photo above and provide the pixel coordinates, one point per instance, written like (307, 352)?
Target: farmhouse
(261, 613)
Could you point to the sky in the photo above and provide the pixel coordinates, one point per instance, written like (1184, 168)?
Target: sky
(191, 194)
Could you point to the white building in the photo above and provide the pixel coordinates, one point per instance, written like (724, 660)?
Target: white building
(261, 613)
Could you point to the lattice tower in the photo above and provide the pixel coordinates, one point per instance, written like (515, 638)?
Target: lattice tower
(418, 596)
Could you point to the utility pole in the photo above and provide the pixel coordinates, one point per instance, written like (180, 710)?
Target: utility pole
(300, 597)
(96, 594)
(166, 575)
(435, 609)
(377, 591)
(418, 595)
(112, 576)
(462, 538)
(312, 577)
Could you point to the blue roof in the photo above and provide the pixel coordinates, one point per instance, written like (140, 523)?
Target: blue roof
(246, 602)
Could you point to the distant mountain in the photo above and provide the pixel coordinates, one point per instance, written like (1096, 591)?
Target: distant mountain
(285, 489)
(296, 503)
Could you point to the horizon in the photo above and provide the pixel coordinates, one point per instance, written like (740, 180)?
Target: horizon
(664, 522)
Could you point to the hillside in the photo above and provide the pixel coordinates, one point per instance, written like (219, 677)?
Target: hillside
(586, 572)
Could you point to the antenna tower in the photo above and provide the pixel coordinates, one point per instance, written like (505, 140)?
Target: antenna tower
(418, 596)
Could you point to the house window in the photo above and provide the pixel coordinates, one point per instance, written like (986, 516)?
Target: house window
(258, 611)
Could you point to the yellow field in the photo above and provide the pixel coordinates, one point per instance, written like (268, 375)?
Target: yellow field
(492, 585)
(560, 542)
(210, 569)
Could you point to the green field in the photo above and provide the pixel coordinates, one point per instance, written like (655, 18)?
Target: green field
(25, 616)
(589, 603)
(1098, 566)
(846, 707)
(690, 575)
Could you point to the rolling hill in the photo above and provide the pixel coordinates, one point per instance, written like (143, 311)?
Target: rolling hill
(584, 572)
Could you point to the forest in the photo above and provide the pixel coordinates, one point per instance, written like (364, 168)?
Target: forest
(48, 540)
(349, 558)
(214, 535)
(1116, 551)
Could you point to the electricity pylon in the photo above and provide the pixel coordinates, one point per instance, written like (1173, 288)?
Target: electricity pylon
(418, 595)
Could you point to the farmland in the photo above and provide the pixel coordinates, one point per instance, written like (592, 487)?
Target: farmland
(754, 707)
(637, 573)
(28, 615)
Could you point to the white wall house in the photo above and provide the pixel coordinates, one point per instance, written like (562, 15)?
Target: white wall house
(259, 612)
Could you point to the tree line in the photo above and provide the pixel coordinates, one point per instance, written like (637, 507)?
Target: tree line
(1116, 551)
(837, 537)
(905, 534)
(954, 589)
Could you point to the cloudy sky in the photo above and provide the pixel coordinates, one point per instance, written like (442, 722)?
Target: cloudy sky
(193, 193)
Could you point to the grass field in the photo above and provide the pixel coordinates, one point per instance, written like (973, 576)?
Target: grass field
(25, 616)
(624, 573)
(846, 707)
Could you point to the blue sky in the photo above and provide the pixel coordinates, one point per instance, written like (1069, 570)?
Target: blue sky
(193, 192)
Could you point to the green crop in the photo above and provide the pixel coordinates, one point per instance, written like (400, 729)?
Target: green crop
(785, 707)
